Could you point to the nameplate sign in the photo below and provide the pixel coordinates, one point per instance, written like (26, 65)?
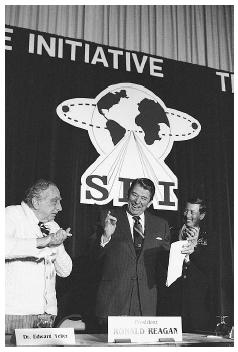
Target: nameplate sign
(124, 329)
(45, 336)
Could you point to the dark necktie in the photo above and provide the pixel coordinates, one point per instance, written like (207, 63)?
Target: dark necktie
(137, 234)
(43, 229)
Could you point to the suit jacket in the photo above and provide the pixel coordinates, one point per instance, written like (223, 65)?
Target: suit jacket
(120, 266)
(191, 296)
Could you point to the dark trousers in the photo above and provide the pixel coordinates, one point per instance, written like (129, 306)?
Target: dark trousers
(134, 309)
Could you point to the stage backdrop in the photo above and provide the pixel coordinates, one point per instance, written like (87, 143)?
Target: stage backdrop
(93, 117)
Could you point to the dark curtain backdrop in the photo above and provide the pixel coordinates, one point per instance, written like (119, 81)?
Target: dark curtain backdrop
(39, 144)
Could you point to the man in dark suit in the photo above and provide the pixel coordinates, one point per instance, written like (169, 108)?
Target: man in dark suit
(191, 295)
(132, 244)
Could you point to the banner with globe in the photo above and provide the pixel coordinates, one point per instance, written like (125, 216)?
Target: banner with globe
(133, 107)
(92, 117)
(133, 132)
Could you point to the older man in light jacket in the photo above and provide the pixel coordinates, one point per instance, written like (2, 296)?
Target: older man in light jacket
(34, 255)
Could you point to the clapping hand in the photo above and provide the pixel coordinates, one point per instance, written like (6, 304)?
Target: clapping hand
(59, 237)
(191, 237)
(53, 239)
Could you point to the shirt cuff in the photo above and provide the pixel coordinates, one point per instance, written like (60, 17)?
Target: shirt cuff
(104, 241)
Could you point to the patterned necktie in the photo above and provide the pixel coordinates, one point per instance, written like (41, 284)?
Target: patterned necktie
(137, 234)
(43, 229)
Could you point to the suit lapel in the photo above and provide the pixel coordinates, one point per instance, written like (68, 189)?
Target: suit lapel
(124, 228)
(148, 229)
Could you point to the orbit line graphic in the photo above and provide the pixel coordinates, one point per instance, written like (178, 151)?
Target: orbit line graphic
(133, 132)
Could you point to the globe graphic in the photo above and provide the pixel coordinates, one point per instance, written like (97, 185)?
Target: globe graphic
(130, 109)
(133, 131)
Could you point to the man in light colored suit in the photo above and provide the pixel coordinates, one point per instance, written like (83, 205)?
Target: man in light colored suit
(34, 255)
(131, 268)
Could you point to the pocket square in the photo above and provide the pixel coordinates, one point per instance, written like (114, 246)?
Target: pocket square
(158, 238)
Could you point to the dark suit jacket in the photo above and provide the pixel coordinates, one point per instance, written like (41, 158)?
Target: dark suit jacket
(120, 267)
(191, 295)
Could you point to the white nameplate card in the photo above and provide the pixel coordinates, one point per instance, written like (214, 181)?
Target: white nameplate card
(45, 336)
(124, 329)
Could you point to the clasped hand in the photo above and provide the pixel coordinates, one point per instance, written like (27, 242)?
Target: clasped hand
(57, 238)
(192, 237)
(53, 239)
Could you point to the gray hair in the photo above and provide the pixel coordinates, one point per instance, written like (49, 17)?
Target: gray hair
(35, 190)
